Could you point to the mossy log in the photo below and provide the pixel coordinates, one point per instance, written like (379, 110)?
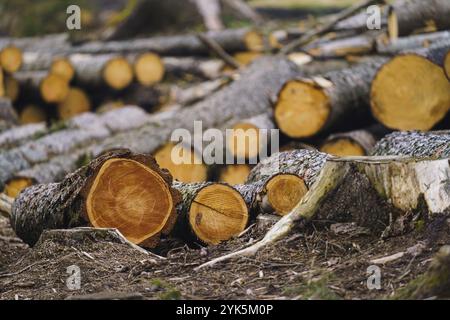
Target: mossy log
(408, 16)
(308, 106)
(433, 144)
(231, 40)
(116, 190)
(411, 90)
(210, 212)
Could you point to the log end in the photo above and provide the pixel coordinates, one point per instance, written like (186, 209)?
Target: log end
(63, 67)
(302, 109)
(32, 114)
(190, 168)
(410, 93)
(76, 102)
(131, 197)
(284, 192)
(218, 213)
(12, 88)
(149, 69)
(234, 174)
(254, 41)
(54, 88)
(343, 147)
(11, 59)
(244, 142)
(14, 186)
(118, 73)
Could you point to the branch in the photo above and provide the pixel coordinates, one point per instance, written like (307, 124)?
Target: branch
(217, 49)
(310, 36)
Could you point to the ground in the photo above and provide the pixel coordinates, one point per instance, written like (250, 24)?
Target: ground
(316, 263)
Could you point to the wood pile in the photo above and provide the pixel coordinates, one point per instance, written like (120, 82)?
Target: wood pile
(89, 140)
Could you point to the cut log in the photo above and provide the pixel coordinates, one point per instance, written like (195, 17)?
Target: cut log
(234, 174)
(191, 168)
(19, 134)
(434, 144)
(307, 107)
(50, 87)
(117, 190)
(408, 16)
(10, 58)
(200, 67)
(279, 182)
(197, 92)
(371, 192)
(8, 116)
(45, 43)
(231, 40)
(411, 42)
(148, 68)
(12, 88)
(32, 114)
(210, 212)
(358, 45)
(59, 65)
(250, 137)
(2, 84)
(353, 143)
(411, 91)
(95, 70)
(76, 102)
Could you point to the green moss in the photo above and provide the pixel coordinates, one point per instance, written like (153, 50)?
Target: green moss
(83, 160)
(317, 290)
(168, 292)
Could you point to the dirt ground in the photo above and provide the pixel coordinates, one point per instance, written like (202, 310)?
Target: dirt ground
(317, 263)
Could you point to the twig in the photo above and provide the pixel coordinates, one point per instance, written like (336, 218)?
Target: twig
(331, 175)
(217, 49)
(245, 10)
(310, 36)
(5, 205)
(4, 275)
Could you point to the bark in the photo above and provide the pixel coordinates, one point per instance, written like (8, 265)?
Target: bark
(363, 138)
(8, 115)
(17, 135)
(210, 11)
(371, 192)
(197, 92)
(46, 43)
(231, 40)
(418, 14)
(244, 10)
(358, 45)
(62, 205)
(434, 144)
(412, 42)
(358, 22)
(437, 53)
(203, 68)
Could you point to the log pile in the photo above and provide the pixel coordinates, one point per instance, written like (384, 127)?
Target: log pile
(95, 145)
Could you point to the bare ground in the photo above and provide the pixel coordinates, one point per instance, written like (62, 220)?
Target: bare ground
(316, 263)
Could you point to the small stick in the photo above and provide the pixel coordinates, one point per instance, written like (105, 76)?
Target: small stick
(217, 49)
(310, 36)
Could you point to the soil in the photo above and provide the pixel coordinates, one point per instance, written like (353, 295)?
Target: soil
(316, 263)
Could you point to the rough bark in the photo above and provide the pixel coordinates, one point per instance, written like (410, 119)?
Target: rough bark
(433, 144)
(418, 14)
(62, 205)
(358, 45)
(231, 40)
(203, 68)
(412, 42)
(372, 192)
(18, 135)
(46, 43)
(362, 138)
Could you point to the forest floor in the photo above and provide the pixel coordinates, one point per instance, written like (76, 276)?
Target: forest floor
(317, 263)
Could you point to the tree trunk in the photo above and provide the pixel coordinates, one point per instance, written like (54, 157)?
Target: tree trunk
(309, 106)
(57, 41)
(408, 16)
(38, 61)
(401, 90)
(231, 40)
(117, 190)
(210, 212)
(279, 182)
(434, 144)
(352, 143)
(96, 70)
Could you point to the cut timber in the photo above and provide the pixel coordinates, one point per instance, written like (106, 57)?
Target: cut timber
(12, 88)
(234, 174)
(281, 180)
(358, 45)
(250, 136)
(245, 58)
(309, 106)
(197, 92)
(433, 144)
(213, 212)
(190, 168)
(2, 84)
(10, 58)
(32, 114)
(231, 40)
(49, 42)
(411, 91)
(353, 143)
(94, 70)
(76, 102)
(117, 190)
(411, 42)
(369, 191)
(50, 87)
(408, 16)
(196, 66)
(148, 68)
(13, 188)
(59, 65)
(8, 116)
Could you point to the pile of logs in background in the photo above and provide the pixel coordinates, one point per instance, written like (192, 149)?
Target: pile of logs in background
(85, 127)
